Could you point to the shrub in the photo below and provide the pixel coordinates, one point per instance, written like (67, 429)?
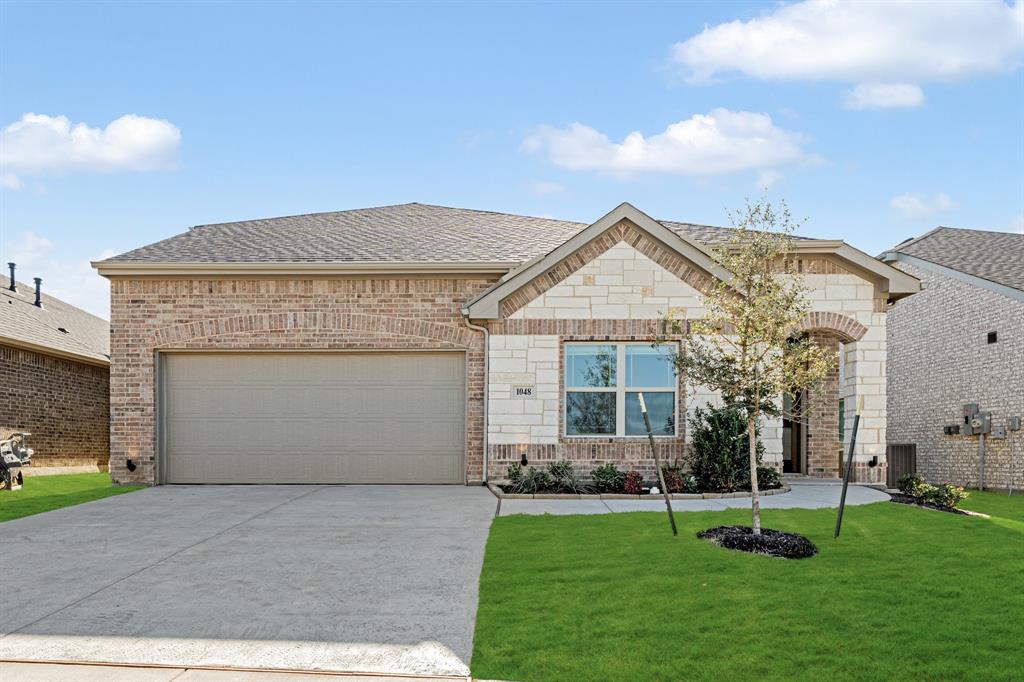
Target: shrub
(768, 478)
(945, 495)
(677, 480)
(721, 458)
(910, 484)
(514, 473)
(531, 481)
(608, 479)
(564, 478)
(634, 483)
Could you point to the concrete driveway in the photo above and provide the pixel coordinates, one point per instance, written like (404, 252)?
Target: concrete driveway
(374, 579)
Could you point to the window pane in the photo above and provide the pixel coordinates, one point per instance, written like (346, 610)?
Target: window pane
(660, 409)
(589, 366)
(590, 414)
(650, 367)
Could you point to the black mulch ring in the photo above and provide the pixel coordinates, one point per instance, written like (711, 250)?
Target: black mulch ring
(907, 499)
(770, 542)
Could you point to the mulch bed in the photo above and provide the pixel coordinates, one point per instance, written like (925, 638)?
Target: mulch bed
(769, 543)
(907, 499)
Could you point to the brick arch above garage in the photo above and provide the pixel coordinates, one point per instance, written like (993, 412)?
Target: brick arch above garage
(306, 323)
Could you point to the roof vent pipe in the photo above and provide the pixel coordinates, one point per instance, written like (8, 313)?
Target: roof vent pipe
(14, 285)
(39, 292)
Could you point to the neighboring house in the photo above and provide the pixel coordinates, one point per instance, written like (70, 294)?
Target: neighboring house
(54, 378)
(424, 344)
(961, 340)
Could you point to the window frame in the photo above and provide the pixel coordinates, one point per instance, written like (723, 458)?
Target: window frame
(620, 389)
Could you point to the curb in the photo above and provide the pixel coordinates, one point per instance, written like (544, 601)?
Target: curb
(502, 495)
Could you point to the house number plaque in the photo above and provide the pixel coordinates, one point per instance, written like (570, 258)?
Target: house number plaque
(522, 391)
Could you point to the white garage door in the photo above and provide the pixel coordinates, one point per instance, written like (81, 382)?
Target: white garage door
(313, 418)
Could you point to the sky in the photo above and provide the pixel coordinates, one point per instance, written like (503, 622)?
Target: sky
(125, 123)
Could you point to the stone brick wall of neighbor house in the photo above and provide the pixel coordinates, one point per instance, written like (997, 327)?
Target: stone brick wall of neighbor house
(940, 359)
(148, 315)
(63, 404)
(618, 295)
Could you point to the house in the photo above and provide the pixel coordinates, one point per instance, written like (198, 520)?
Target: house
(54, 378)
(425, 344)
(960, 341)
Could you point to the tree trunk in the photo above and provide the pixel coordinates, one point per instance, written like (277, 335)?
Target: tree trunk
(755, 500)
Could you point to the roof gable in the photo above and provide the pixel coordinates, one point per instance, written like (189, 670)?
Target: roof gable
(687, 259)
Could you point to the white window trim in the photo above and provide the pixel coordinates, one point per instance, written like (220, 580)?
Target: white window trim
(620, 390)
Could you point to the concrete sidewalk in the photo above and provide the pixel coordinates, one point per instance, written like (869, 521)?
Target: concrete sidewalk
(66, 672)
(804, 495)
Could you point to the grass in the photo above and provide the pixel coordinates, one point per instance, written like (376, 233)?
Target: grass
(44, 493)
(905, 593)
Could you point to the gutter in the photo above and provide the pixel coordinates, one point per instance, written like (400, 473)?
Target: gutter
(129, 268)
(487, 373)
(54, 352)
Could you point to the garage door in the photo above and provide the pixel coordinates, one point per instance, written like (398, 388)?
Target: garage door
(313, 418)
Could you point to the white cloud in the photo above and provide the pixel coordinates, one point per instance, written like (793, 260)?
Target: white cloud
(768, 179)
(10, 181)
(857, 41)
(38, 143)
(544, 188)
(721, 141)
(884, 96)
(70, 279)
(920, 206)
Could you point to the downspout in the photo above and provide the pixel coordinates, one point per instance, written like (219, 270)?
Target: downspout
(487, 373)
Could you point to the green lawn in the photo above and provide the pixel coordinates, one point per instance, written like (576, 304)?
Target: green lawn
(905, 593)
(43, 493)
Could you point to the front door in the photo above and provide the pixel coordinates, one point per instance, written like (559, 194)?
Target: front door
(793, 432)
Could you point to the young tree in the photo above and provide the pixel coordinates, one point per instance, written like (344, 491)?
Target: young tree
(748, 345)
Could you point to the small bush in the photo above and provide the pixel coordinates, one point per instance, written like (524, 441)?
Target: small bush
(677, 480)
(768, 478)
(514, 473)
(564, 478)
(910, 484)
(945, 495)
(608, 478)
(634, 483)
(531, 481)
(721, 457)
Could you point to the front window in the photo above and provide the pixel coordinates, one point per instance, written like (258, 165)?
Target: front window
(602, 385)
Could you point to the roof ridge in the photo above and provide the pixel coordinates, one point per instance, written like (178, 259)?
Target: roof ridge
(302, 215)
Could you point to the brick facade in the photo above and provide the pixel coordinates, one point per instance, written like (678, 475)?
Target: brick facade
(821, 416)
(939, 359)
(152, 315)
(64, 405)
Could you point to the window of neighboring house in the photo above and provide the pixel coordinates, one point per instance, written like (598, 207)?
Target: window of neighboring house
(602, 385)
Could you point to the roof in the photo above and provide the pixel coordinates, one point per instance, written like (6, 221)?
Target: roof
(407, 233)
(85, 336)
(994, 256)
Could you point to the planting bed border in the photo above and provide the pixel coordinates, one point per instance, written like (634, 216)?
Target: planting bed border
(502, 495)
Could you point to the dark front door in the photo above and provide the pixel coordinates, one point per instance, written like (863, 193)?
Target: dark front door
(792, 435)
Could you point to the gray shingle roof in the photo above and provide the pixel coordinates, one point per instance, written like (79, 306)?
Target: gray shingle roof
(995, 256)
(86, 335)
(418, 233)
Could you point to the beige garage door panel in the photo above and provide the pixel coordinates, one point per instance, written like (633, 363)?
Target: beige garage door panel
(314, 418)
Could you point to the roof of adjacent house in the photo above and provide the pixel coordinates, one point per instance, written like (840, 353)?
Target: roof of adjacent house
(995, 256)
(58, 328)
(410, 233)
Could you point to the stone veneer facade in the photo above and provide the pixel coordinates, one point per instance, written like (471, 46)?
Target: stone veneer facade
(64, 405)
(618, 293)
(940, 359)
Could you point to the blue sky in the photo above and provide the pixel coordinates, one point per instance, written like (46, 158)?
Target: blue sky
(878, 122)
